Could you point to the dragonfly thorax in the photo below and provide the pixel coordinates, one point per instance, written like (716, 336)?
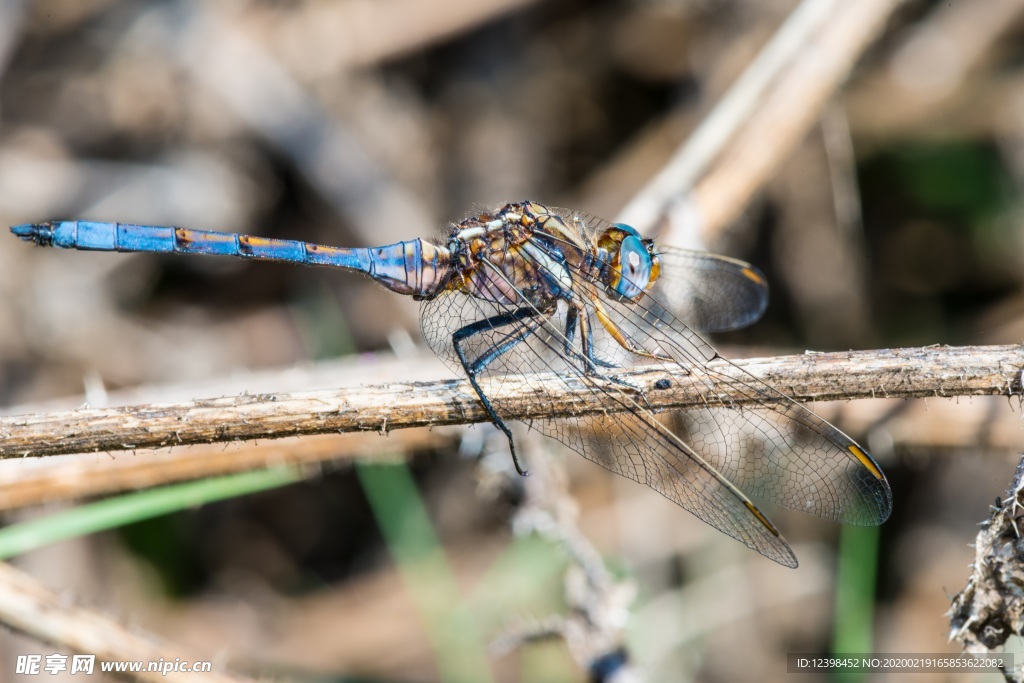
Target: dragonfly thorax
(503, 257)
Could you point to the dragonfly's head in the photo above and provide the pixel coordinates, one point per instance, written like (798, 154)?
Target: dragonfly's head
(632, 266)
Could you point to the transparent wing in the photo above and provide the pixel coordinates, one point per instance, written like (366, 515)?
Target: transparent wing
(775, 449)
(708, 292)
(779, 451)
(705, 291)
(633, 443)
(707, 460)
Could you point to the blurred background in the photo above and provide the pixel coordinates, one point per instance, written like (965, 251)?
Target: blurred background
(895, 222)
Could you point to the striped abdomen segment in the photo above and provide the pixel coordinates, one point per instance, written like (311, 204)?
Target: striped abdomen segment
(414, 267)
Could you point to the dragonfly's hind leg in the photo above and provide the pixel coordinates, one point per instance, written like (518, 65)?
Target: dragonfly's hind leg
(476, 366)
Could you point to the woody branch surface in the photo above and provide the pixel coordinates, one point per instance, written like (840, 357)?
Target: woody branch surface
(28, 606)
(906, 373)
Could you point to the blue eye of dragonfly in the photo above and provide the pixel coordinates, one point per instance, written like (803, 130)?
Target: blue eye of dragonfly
(633, 268)
(627, 228)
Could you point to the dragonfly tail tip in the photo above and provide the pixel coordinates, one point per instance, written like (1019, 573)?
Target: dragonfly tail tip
(40, 233)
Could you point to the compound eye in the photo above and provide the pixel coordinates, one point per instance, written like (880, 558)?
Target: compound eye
(633, 268)
(628, 229)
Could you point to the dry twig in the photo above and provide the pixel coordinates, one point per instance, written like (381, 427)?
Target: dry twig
(76, 478)
(30, 607)
(905, 373)
(738, 105)
(597, 603)
(748, 135)
(933, 75)
(989, 610)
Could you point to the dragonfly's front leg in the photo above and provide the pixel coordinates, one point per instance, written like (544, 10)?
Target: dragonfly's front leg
(618, 335)
(534, 318)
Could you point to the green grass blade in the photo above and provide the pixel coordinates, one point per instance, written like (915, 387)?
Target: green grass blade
(115, 512)
(414, 545)
(855, 596)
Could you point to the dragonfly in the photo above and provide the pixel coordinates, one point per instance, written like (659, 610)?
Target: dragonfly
(525, 289)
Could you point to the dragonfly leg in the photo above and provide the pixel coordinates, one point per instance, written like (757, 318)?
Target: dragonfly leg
(572, 319)
(593, 360)
(476, 366)
(620, 337)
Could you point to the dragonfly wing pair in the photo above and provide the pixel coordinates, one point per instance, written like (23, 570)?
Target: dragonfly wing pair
(711, 460)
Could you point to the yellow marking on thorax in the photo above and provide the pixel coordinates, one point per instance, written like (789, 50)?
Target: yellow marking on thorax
(553, 223)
